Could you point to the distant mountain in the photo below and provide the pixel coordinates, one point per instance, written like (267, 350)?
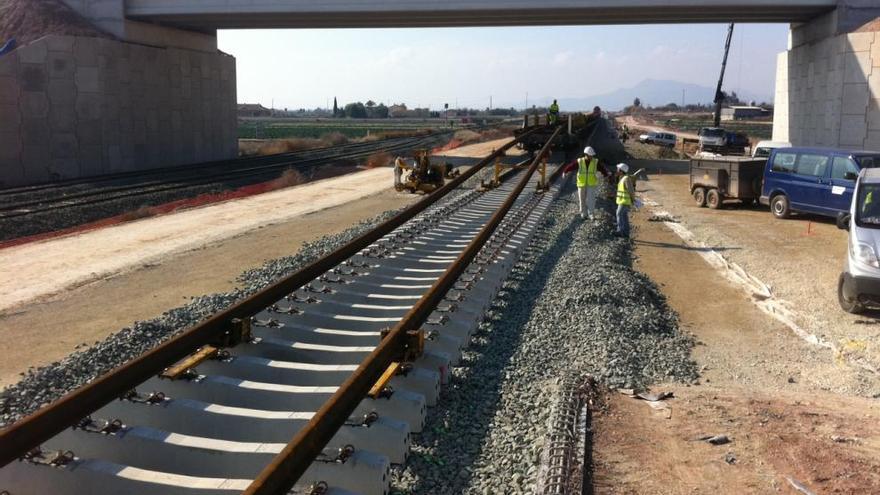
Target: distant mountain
(651, 92)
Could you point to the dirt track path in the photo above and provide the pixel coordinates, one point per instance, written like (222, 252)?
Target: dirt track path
(760, 385)
(632, 123)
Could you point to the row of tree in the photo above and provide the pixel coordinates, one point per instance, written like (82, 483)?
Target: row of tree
(358, 110)
(373, 110)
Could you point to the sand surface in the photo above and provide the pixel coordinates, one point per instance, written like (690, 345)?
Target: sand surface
(37, 270)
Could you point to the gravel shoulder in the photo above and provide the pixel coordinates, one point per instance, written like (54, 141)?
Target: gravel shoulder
(764, 388)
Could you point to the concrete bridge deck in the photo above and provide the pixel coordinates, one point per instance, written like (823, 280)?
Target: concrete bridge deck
(206, 15)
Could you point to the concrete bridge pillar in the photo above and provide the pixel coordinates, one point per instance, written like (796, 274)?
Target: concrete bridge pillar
(143, 97)
(828, 82)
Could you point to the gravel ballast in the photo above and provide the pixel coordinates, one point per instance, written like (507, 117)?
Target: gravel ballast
(39, 386)
(573, 305)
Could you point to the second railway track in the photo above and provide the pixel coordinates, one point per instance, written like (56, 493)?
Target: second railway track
(27, 201)
(343, 356)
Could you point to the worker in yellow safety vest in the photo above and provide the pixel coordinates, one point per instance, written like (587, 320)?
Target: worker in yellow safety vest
(554, 113)
(626, 199)
(588, 167)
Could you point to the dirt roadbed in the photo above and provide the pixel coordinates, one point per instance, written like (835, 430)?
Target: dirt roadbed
(760, 385)
(799, 259)
(777, 441)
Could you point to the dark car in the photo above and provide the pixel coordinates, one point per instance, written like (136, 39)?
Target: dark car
(813, 180)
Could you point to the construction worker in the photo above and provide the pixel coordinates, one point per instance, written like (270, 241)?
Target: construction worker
(587, 181)
(399, 166)
(626, 199)
(554, 113)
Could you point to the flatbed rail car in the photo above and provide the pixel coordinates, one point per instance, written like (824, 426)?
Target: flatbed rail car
(714, 180)
(581, 126)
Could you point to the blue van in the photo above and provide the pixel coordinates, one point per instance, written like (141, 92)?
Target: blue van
(813, 180)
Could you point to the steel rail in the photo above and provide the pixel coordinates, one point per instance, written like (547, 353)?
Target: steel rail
(188, 179)
(29, 432)
(291, 463)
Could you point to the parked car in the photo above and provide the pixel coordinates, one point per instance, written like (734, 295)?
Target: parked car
(659, 138)
(763, 148)
(813, 180)
(712, 137)
(859, 284)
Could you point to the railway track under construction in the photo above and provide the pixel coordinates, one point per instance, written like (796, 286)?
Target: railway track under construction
(314, 384)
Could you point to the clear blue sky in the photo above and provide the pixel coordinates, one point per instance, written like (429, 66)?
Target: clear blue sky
(427, 67)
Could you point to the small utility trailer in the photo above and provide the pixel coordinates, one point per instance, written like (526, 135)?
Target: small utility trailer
(716, 179)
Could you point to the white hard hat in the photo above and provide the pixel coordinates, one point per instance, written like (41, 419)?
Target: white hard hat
(589, 151)
(623, 167)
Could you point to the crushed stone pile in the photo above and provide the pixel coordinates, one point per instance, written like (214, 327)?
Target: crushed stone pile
(573, 305)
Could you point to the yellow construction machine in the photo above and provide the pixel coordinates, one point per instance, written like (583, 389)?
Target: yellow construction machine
(421, 175)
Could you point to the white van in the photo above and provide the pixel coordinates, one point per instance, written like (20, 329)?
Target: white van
(763, 148)
(859, 285)
(659, 138)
